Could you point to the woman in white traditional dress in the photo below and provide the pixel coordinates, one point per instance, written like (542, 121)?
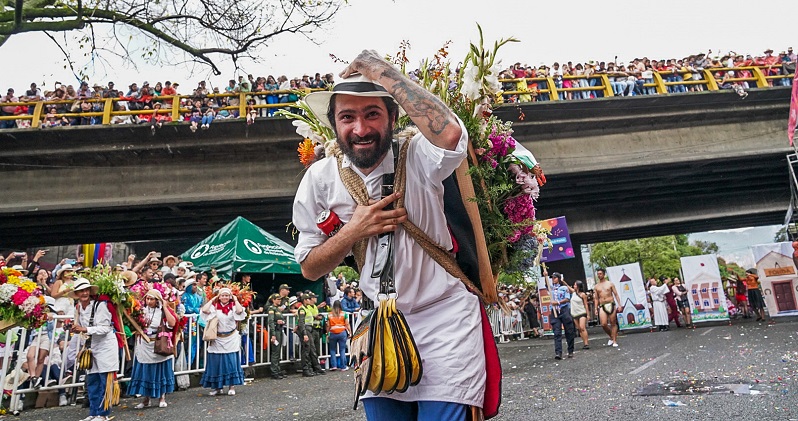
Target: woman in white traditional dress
(61, 287)
(658, 300)
(153, 374)
(94, 319)
(223, 365)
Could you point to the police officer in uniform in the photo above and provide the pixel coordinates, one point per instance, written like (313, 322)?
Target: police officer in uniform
(285, 306)
(318, 323)
(283, 292)
(306, 315)
(276, 324)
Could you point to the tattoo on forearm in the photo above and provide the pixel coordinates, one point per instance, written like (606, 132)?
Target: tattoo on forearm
(417, 102)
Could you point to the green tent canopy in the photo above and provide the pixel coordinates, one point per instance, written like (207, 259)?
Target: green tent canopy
(242, 247)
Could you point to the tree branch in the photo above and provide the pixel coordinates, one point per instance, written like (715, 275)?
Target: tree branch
(225, 28)
(66, 55)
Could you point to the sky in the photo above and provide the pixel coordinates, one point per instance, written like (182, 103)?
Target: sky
(582, 31)
(734, 244)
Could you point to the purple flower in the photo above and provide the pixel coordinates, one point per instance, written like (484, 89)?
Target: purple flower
(502, 143)
(519, 208)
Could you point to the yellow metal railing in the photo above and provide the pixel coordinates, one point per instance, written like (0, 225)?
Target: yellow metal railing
(709, 80)
(108, 107)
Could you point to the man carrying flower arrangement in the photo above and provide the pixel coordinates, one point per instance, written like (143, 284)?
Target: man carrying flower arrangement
(94, 319)
(442, 314)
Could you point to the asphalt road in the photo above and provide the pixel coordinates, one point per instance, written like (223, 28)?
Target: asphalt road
(600, 383)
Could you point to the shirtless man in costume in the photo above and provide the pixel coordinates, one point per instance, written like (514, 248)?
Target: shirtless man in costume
(607, 297)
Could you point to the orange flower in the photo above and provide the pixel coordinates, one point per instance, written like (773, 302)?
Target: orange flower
(307, 153)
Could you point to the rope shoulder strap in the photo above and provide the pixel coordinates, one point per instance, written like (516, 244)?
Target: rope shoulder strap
(357, 189)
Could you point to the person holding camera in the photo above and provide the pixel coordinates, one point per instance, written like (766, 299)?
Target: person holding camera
(153, 374)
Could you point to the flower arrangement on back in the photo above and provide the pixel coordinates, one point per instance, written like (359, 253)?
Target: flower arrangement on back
(506, 176)
(124, 305)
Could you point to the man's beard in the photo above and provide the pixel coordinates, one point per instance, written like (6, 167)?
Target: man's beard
(366, 158)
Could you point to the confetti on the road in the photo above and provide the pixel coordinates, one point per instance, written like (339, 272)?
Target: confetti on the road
(669, 402)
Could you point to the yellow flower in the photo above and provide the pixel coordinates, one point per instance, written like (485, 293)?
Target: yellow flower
(28, 286)
(14, 280)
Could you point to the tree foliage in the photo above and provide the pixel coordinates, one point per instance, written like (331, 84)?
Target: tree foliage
(729, 268)
(781, 235)
(168, 31)
(657, 255)
(349, 273)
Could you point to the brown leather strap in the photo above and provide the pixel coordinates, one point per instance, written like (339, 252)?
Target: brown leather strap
(357, 189)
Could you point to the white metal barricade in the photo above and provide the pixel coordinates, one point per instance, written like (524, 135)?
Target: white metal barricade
(505, 325)
(64, 378)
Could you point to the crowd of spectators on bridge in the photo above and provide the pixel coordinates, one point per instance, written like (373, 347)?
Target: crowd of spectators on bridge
(202, 105)
(264, 94)
(634, 77)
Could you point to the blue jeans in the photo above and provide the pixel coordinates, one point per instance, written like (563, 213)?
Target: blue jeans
(676, 88)
(271, 99)
(95, 388)
(337, 344)
(207, 119)
(565, 320)
(650, 90)
(544, 96)
(584, 84)
(391, 409)
(246, 341)
(618, 88)
(630, 87)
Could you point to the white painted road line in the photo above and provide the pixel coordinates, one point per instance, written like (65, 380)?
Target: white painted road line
(707, 331)
(649, 364)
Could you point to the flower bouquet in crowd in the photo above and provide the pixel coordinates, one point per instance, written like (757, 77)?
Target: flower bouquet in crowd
(21, 301)
(243, 292)
(505, 178)
(169, 294)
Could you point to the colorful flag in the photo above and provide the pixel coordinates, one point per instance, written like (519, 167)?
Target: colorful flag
(793, 109)
(95, 254)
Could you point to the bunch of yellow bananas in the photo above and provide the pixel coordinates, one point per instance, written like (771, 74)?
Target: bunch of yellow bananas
(85, 359)
(391, 361)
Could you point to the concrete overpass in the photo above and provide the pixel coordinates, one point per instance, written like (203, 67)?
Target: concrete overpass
(617, 168)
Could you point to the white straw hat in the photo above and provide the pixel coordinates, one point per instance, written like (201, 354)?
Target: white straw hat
(356, 84)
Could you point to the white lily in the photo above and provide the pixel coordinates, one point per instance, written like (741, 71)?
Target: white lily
(471, 83)
(492, 79)
(306, 131)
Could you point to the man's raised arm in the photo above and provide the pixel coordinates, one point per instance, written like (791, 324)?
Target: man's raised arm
(434, 119)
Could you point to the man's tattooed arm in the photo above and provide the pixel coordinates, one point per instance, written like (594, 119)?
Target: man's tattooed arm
(434, 119)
